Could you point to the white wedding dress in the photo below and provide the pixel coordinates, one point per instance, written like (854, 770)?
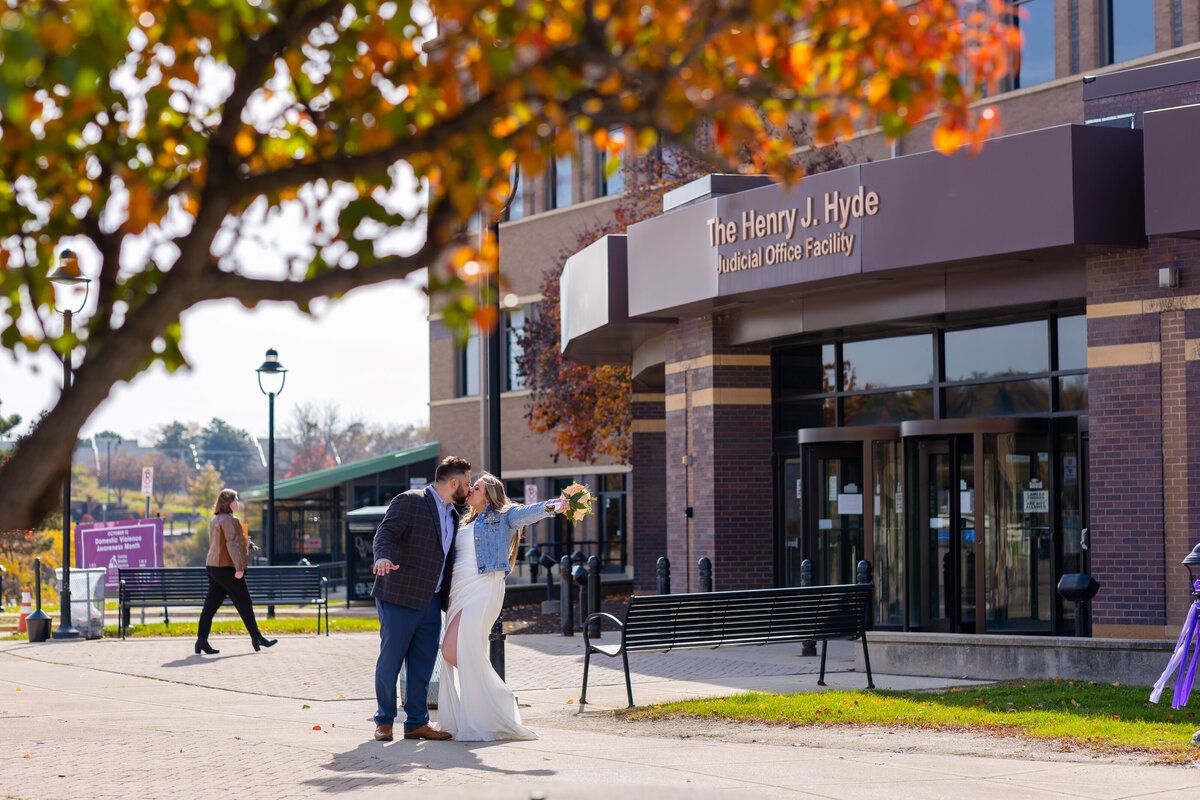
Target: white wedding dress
(473, 702)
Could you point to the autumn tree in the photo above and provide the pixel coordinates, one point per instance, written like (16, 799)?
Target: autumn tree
(155, 137)
(170, 476)
(203, 488)
(322, 435)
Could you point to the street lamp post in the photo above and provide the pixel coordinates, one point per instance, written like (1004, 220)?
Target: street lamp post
(275, 377)
(67, 274)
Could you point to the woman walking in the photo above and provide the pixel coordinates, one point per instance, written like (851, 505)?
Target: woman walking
(473, 702)
(228, 551)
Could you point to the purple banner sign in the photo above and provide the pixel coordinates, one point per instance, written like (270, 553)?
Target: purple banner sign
(128, 543)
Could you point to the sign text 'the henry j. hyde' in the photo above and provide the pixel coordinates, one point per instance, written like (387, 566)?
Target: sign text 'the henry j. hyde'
(834, 208)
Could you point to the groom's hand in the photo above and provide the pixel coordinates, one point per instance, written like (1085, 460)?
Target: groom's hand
(383, 566)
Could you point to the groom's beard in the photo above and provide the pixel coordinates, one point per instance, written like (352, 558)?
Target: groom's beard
(460, 496)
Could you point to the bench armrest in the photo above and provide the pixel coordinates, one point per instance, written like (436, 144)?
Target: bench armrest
(587, 623)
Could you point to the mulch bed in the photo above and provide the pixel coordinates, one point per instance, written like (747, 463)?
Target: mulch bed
(530, 619)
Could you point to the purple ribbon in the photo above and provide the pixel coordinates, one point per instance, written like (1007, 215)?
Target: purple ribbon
(1186, 676)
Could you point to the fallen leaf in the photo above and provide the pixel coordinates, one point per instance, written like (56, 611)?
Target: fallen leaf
(18, 688)
(544, 758)
(28, 756)
(306, 706)
(341, 695)
(570, 701)
(316, 727)
(332, 762)
(687, 780)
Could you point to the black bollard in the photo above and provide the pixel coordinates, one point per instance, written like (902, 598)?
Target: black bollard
(593, 593)
(808, 648)
(565, 598)
(38, 623)
(866, 576)
(579, 576)
(532, 556)
(496, 645)
(706, 576)
(549, 563)
(663, 571)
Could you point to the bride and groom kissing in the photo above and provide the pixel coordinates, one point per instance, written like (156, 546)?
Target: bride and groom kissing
(429, 560)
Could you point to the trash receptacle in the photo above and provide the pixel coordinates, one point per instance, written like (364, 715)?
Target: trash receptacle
(87, 600)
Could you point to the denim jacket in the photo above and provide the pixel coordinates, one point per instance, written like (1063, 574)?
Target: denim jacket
(494, 533)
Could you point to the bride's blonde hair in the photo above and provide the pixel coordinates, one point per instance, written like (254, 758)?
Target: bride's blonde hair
(497, 501)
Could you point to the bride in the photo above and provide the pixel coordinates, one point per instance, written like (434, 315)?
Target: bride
(473, 702)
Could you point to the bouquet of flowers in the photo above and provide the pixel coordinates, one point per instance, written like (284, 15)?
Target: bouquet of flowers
(579, 502)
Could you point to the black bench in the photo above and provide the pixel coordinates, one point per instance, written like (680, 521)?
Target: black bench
(146, 587)
(665, 622)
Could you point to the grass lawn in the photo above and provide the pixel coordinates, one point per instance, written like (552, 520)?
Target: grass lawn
(1070, 713)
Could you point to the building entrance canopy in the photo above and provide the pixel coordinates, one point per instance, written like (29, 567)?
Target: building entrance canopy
(1025, 202)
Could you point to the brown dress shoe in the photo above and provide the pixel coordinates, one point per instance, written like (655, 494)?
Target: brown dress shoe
(426, 732)
(383, 733)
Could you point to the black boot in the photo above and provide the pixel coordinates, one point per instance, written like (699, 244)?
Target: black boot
(262, 641)
(203, 647)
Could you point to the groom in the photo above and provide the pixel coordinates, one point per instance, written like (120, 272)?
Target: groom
(414, 554)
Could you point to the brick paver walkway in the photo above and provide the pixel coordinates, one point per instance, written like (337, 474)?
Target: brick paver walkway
(342, 666)
(141, 719)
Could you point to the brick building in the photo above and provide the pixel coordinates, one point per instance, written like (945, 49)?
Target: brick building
(976, 373)
(1064, 41)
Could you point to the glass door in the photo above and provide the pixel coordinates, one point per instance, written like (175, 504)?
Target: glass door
(834, 512)
(946, 533)
(1020, 575)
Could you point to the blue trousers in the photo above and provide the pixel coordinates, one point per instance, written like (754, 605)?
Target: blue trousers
(406, 634)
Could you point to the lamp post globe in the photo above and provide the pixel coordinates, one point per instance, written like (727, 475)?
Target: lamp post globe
(67, 274)
(271, 377)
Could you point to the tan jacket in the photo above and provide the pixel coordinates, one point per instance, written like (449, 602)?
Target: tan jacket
(227, 543)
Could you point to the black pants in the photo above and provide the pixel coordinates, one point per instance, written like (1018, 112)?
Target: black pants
(222, 584)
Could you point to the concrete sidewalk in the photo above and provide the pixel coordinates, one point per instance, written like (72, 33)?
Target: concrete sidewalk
(145, 718)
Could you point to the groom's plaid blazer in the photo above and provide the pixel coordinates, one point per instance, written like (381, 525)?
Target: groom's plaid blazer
(410, 536)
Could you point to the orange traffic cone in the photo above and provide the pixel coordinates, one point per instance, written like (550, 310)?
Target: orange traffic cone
(26, 610)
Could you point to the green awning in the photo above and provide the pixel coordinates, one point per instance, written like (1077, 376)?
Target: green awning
(325, 478)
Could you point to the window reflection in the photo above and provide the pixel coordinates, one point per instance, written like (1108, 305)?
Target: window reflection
(883, 363)
(1130, 29)
(1015, 349)
(1004, 399)
(1072, 342)
(1073, 393)
(888, 407)
(1035, 20)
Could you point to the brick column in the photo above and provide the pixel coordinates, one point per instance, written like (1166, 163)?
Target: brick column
(718, 414)
(1143, 382)
(648, 492)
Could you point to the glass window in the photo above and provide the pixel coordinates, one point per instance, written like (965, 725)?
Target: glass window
(882, 363)
(562, 181)
(516, 209)
(468, 368)
(1007, 398)
(514, 328)
(888, 408)
(792, 416)
(612, 166)
(1035, 19)
(1072, 342)
(1016, 349)
(1073, 393)
(1130, 29)
(806, 370)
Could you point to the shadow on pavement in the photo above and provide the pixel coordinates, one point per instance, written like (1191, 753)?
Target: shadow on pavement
(191, 661)
(373, 764)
